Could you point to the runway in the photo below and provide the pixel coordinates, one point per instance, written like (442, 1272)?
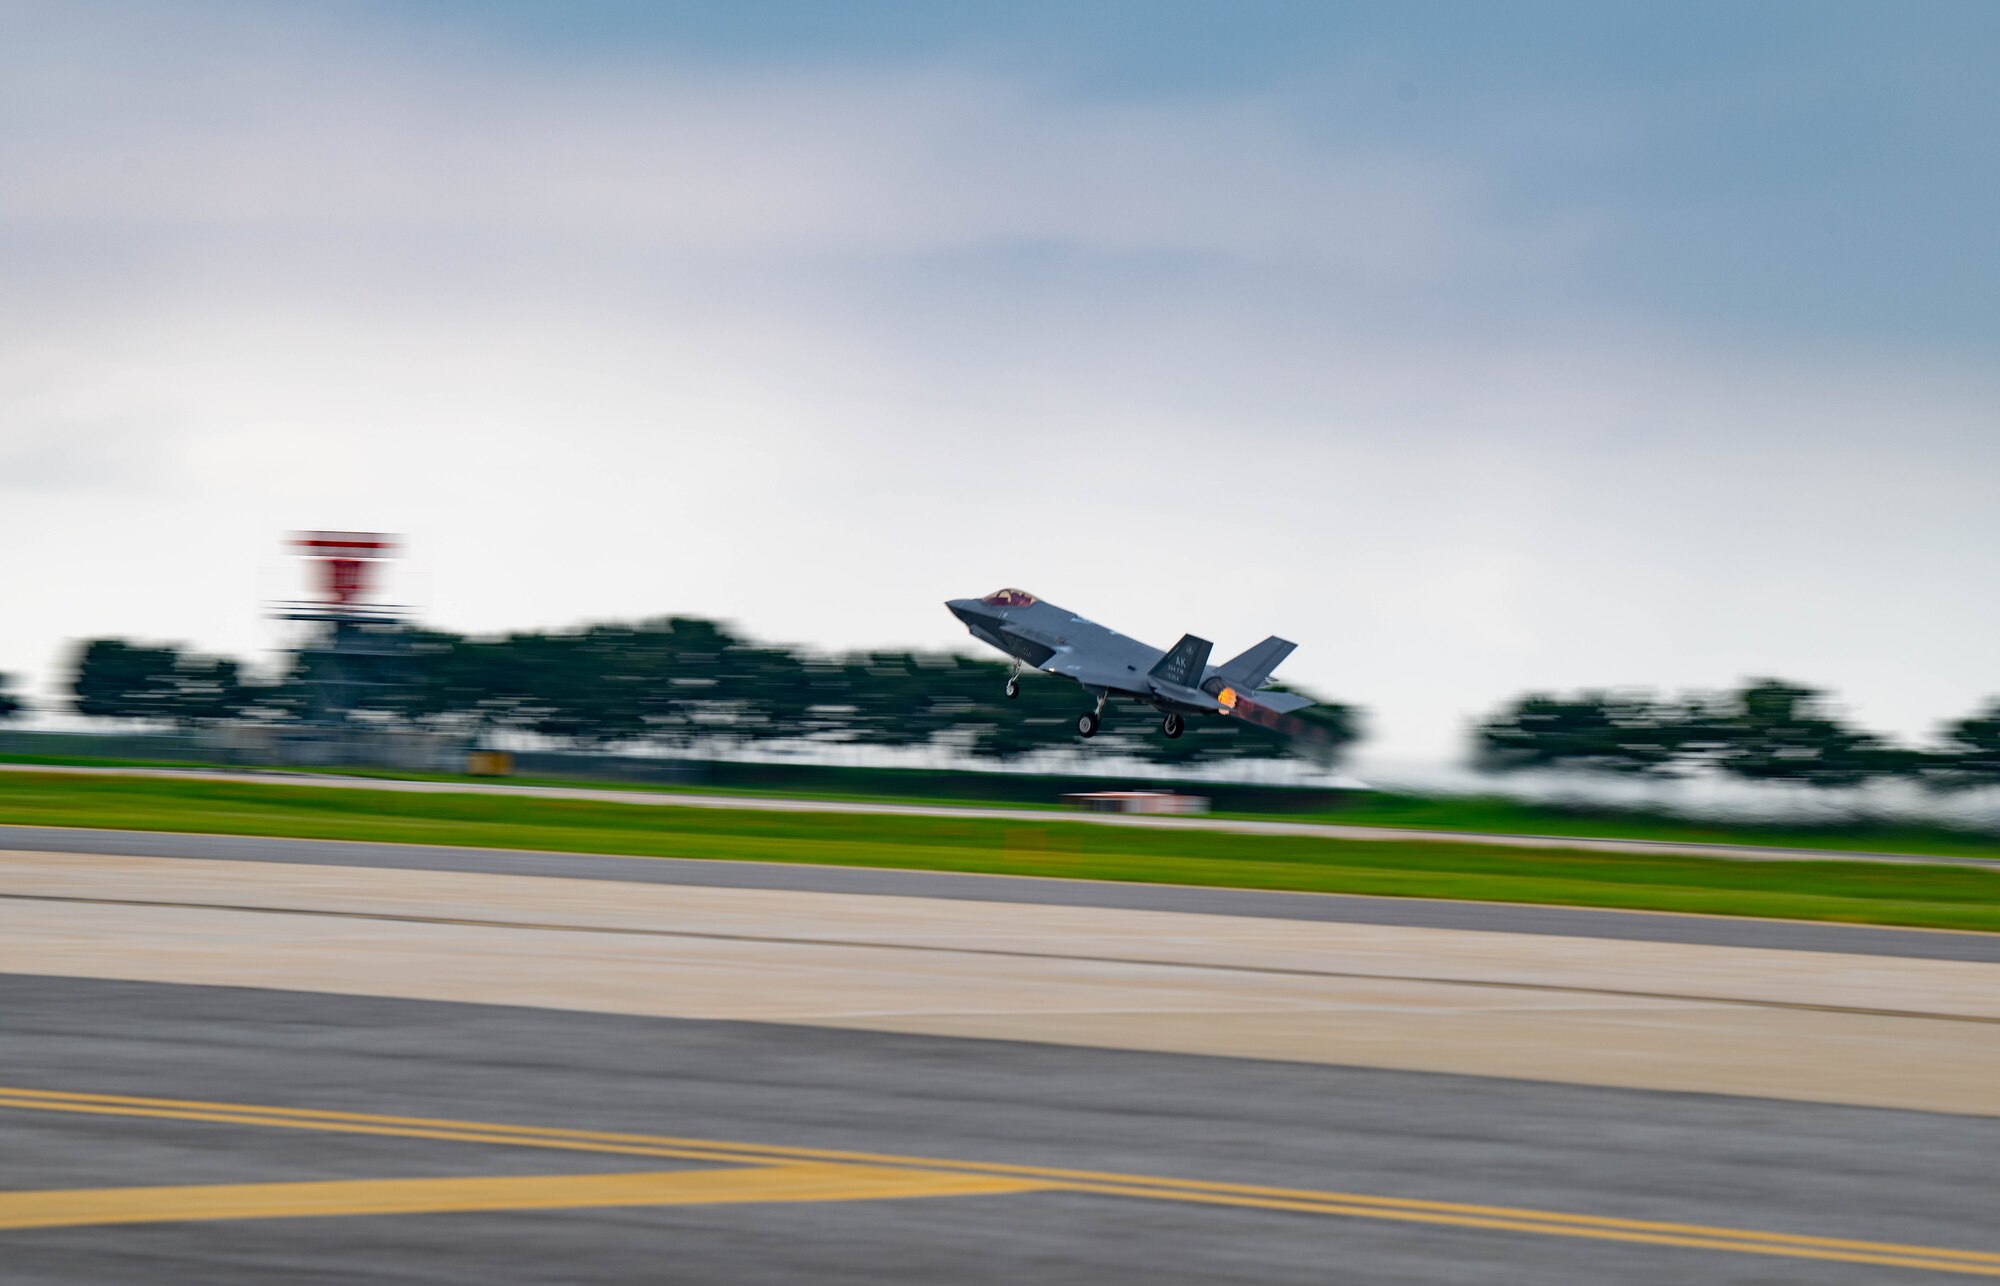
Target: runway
(1032, 1162)
(1239, 826)
(1493, 917)
(247, 1060)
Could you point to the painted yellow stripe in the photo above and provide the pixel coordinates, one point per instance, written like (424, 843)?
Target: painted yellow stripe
(1156, 1188)
(1738, 1241)
(442, 1132)
(90, 1206)
(1306, 1201)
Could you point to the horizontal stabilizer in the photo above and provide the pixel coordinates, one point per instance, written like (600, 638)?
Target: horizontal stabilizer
(1185, 664)
(1282, 702)
(1253, 667)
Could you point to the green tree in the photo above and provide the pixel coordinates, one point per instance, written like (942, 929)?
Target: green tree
(1772, 730)
(1767, 730)
(207, 690)
(11, 706)
(967, 706)
(1628, 732)
(681, 682)
(114, 679)
(1971, 756)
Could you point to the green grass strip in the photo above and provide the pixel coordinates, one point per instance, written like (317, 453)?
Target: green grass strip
(1361, 808)
(1516, 817)
(1853, 892)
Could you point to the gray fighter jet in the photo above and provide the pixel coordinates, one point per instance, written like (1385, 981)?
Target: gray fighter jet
(1177, 682)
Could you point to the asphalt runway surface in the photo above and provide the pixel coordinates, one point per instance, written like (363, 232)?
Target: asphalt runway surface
(1411, 1177)
(1412, 912)
(698, 1071)
(1242, 826)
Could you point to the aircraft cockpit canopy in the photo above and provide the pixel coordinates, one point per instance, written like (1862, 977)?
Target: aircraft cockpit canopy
(1009, 598)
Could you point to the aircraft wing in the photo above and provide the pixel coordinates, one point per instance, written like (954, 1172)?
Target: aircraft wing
(1118, 678)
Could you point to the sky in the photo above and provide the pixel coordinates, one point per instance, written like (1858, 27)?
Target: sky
(1478, 348)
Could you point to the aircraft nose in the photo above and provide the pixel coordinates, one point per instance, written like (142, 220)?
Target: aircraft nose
(969, 610)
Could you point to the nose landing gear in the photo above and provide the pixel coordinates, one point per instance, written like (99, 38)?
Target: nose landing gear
(1090, 721)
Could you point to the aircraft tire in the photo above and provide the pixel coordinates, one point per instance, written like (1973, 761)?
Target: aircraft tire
(1086, 724)
(1172, 725)
(1013, 688)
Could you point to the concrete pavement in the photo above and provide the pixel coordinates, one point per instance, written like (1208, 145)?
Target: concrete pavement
(1872, 1030)
(1491, 917)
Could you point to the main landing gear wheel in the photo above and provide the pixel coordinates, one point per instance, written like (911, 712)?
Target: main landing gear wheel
(1086, 724)
(1013, 688)
(1172, 725)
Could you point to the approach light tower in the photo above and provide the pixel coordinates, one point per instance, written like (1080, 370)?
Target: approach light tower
(353, 647)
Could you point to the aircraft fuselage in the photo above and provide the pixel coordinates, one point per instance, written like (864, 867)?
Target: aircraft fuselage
(1058, 641)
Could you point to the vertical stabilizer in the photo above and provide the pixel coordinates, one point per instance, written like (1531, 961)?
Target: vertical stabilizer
(1253, 667)
(1185, 663)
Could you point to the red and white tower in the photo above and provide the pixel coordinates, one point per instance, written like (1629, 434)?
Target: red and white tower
(347, 562)
(354, 650)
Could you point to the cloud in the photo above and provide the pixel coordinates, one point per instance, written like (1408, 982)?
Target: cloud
(181, 133)
(815, 344)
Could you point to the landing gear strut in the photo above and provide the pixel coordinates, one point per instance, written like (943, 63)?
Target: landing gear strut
(1090, 721)
(1172, 725)
(1014, 681)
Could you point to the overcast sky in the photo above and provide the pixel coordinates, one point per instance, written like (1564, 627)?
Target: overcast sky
(1477, 348)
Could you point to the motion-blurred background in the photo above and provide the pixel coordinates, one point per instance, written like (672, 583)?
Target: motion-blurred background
(1483, 350)
(491, 790)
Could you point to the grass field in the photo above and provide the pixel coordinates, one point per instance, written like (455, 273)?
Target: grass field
(1512, 817)
(1855, 892)
(278, 775)
(1356, 808)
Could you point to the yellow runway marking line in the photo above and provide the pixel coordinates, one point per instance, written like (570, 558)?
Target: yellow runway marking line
(1556, 1224)
(784, 1183)
(1031, 1178)
(443, 1133)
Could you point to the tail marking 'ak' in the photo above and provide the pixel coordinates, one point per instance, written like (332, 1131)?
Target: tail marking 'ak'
(1185, 664)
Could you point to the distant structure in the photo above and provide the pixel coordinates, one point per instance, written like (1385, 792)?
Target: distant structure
(1137, 801)
(347, 561)
(351, 655)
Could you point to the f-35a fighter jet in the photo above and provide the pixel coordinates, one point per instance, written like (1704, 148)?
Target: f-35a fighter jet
(1178, 682)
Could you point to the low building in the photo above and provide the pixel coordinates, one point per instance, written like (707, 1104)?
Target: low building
(1137, 801)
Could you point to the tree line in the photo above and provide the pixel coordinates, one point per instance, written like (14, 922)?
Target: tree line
(684, 684)
(677, 684)
(1764, 730)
